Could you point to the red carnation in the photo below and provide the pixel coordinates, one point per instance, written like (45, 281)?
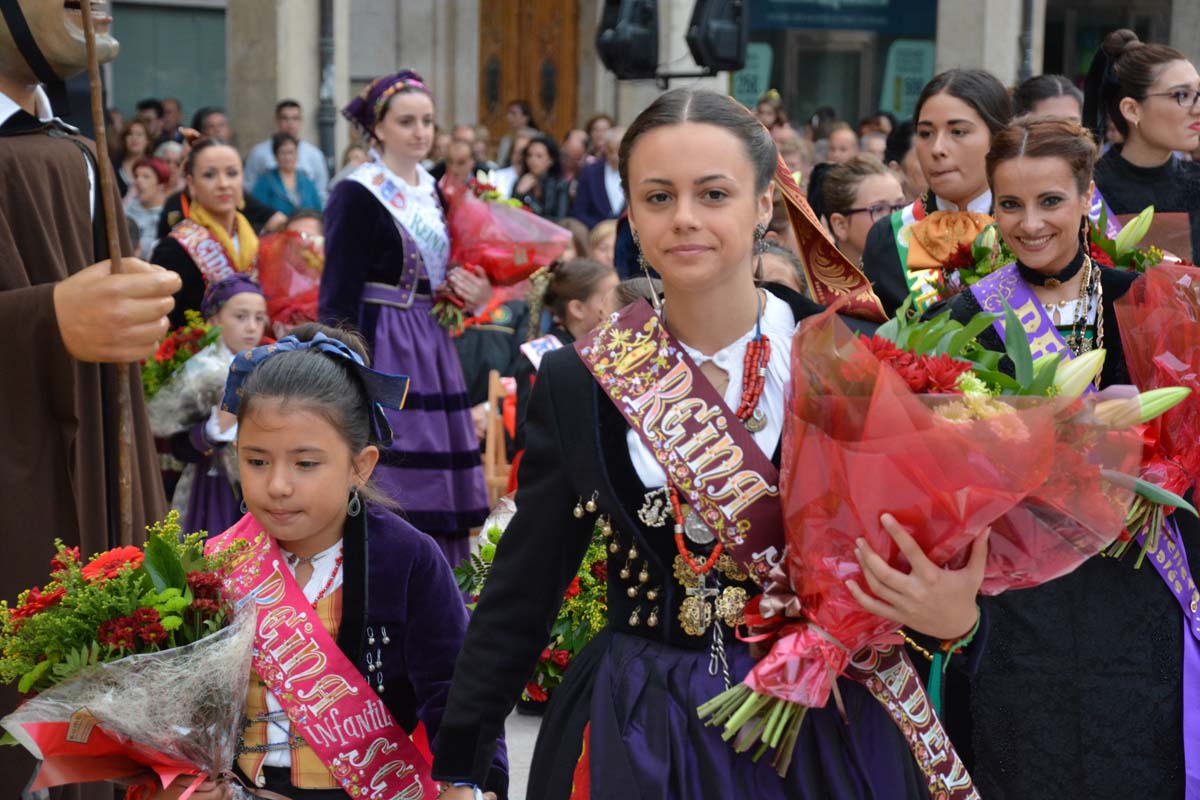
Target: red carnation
(536, 693)
(1099, 255)
(885, 350)
(961, 258)
(119, 633)
(600, 570)
(205, 585)
(561, 658)
(71, 554)
(545, 655)
(943, 373)
(38, 601)
(914, 374)
(573, 589)
(107, 565)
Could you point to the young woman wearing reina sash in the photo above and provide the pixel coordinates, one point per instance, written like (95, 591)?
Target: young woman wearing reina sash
(386, 251)
(956, 116)
(1151, 94)
(357, 610)
(697, 171)
(1079, 691)
(215, 241)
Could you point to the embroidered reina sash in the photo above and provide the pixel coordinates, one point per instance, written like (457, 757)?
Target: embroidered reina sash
(209, 255)
(891, 679)
(330, 705)
(829, 274)
(420, 216)
(701, 445)
(536, 349)
(920, 281)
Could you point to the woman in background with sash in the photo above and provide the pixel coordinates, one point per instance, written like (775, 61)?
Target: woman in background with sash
(956, 116)
(1079, 690)
(1151, 94)
(696, 169)
(386, 253)
(214, 241)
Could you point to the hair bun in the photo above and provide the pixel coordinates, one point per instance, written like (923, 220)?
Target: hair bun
(1119, 42)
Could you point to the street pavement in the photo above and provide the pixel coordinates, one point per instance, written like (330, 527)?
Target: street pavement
(520, 734)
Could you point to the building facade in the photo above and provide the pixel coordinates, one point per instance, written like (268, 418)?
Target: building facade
(856, 56)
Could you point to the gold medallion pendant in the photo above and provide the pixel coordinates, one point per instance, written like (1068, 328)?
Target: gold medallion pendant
(731, 605)
(695, 615)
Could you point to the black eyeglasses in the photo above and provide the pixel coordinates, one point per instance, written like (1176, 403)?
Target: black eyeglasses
(876, 211)
(1186, 98)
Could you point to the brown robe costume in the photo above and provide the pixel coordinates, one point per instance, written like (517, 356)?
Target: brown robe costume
(58, 473)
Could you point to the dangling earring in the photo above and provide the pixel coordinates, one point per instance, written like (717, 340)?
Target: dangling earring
(760, 247)
(1084, 239)
(244, 509)
(354, 507)
(645, 267)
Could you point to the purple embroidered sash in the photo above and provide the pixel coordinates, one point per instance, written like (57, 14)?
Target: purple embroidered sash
(1170, 561)
(1005, 285)
(891, 679)
(702, 446)
(1112, 225)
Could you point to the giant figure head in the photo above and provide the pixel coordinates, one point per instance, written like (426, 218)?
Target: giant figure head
(42, 40)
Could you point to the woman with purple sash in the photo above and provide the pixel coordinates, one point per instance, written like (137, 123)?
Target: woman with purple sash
(1079, 692)
(697, 171)
(386, 253)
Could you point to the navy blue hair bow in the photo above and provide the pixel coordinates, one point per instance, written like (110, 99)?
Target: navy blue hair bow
(381, 388)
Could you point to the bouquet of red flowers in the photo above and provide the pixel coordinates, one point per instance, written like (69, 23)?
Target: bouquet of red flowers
(175, 350)
(925, 428)
(505, 239)
(1159, 319)
(133, 664)
(289, 267)
(584, 611)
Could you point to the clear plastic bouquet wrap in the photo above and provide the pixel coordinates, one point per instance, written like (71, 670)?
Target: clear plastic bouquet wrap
(189, 395)
(136, 665)
(924, 428)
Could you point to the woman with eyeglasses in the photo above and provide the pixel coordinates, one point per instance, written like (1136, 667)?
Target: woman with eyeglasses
(956, 116)
(1150, 92)
(857, 194)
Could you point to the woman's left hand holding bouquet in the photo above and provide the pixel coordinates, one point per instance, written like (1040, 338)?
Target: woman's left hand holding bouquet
(471, 285)
(933, 600)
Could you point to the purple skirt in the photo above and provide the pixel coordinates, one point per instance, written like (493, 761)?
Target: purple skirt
(433, 469)
(647, 741)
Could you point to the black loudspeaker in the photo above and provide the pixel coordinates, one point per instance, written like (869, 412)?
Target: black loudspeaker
(627, 39)
(718, 34)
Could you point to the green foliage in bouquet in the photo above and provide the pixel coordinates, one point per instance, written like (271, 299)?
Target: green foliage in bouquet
(583, 614)
(1123, 252)
(124, 601)
(176, 349)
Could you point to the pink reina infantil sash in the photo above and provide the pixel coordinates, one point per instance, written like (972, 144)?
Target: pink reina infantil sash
(327, 700)
(702, 446)
(205, 251)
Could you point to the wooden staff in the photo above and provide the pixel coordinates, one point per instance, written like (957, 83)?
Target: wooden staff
(106, 189)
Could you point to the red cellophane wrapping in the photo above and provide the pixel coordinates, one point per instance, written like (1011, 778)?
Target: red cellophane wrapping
(509, 243)
(1159, 318)
(289, 268)
(859, 444)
